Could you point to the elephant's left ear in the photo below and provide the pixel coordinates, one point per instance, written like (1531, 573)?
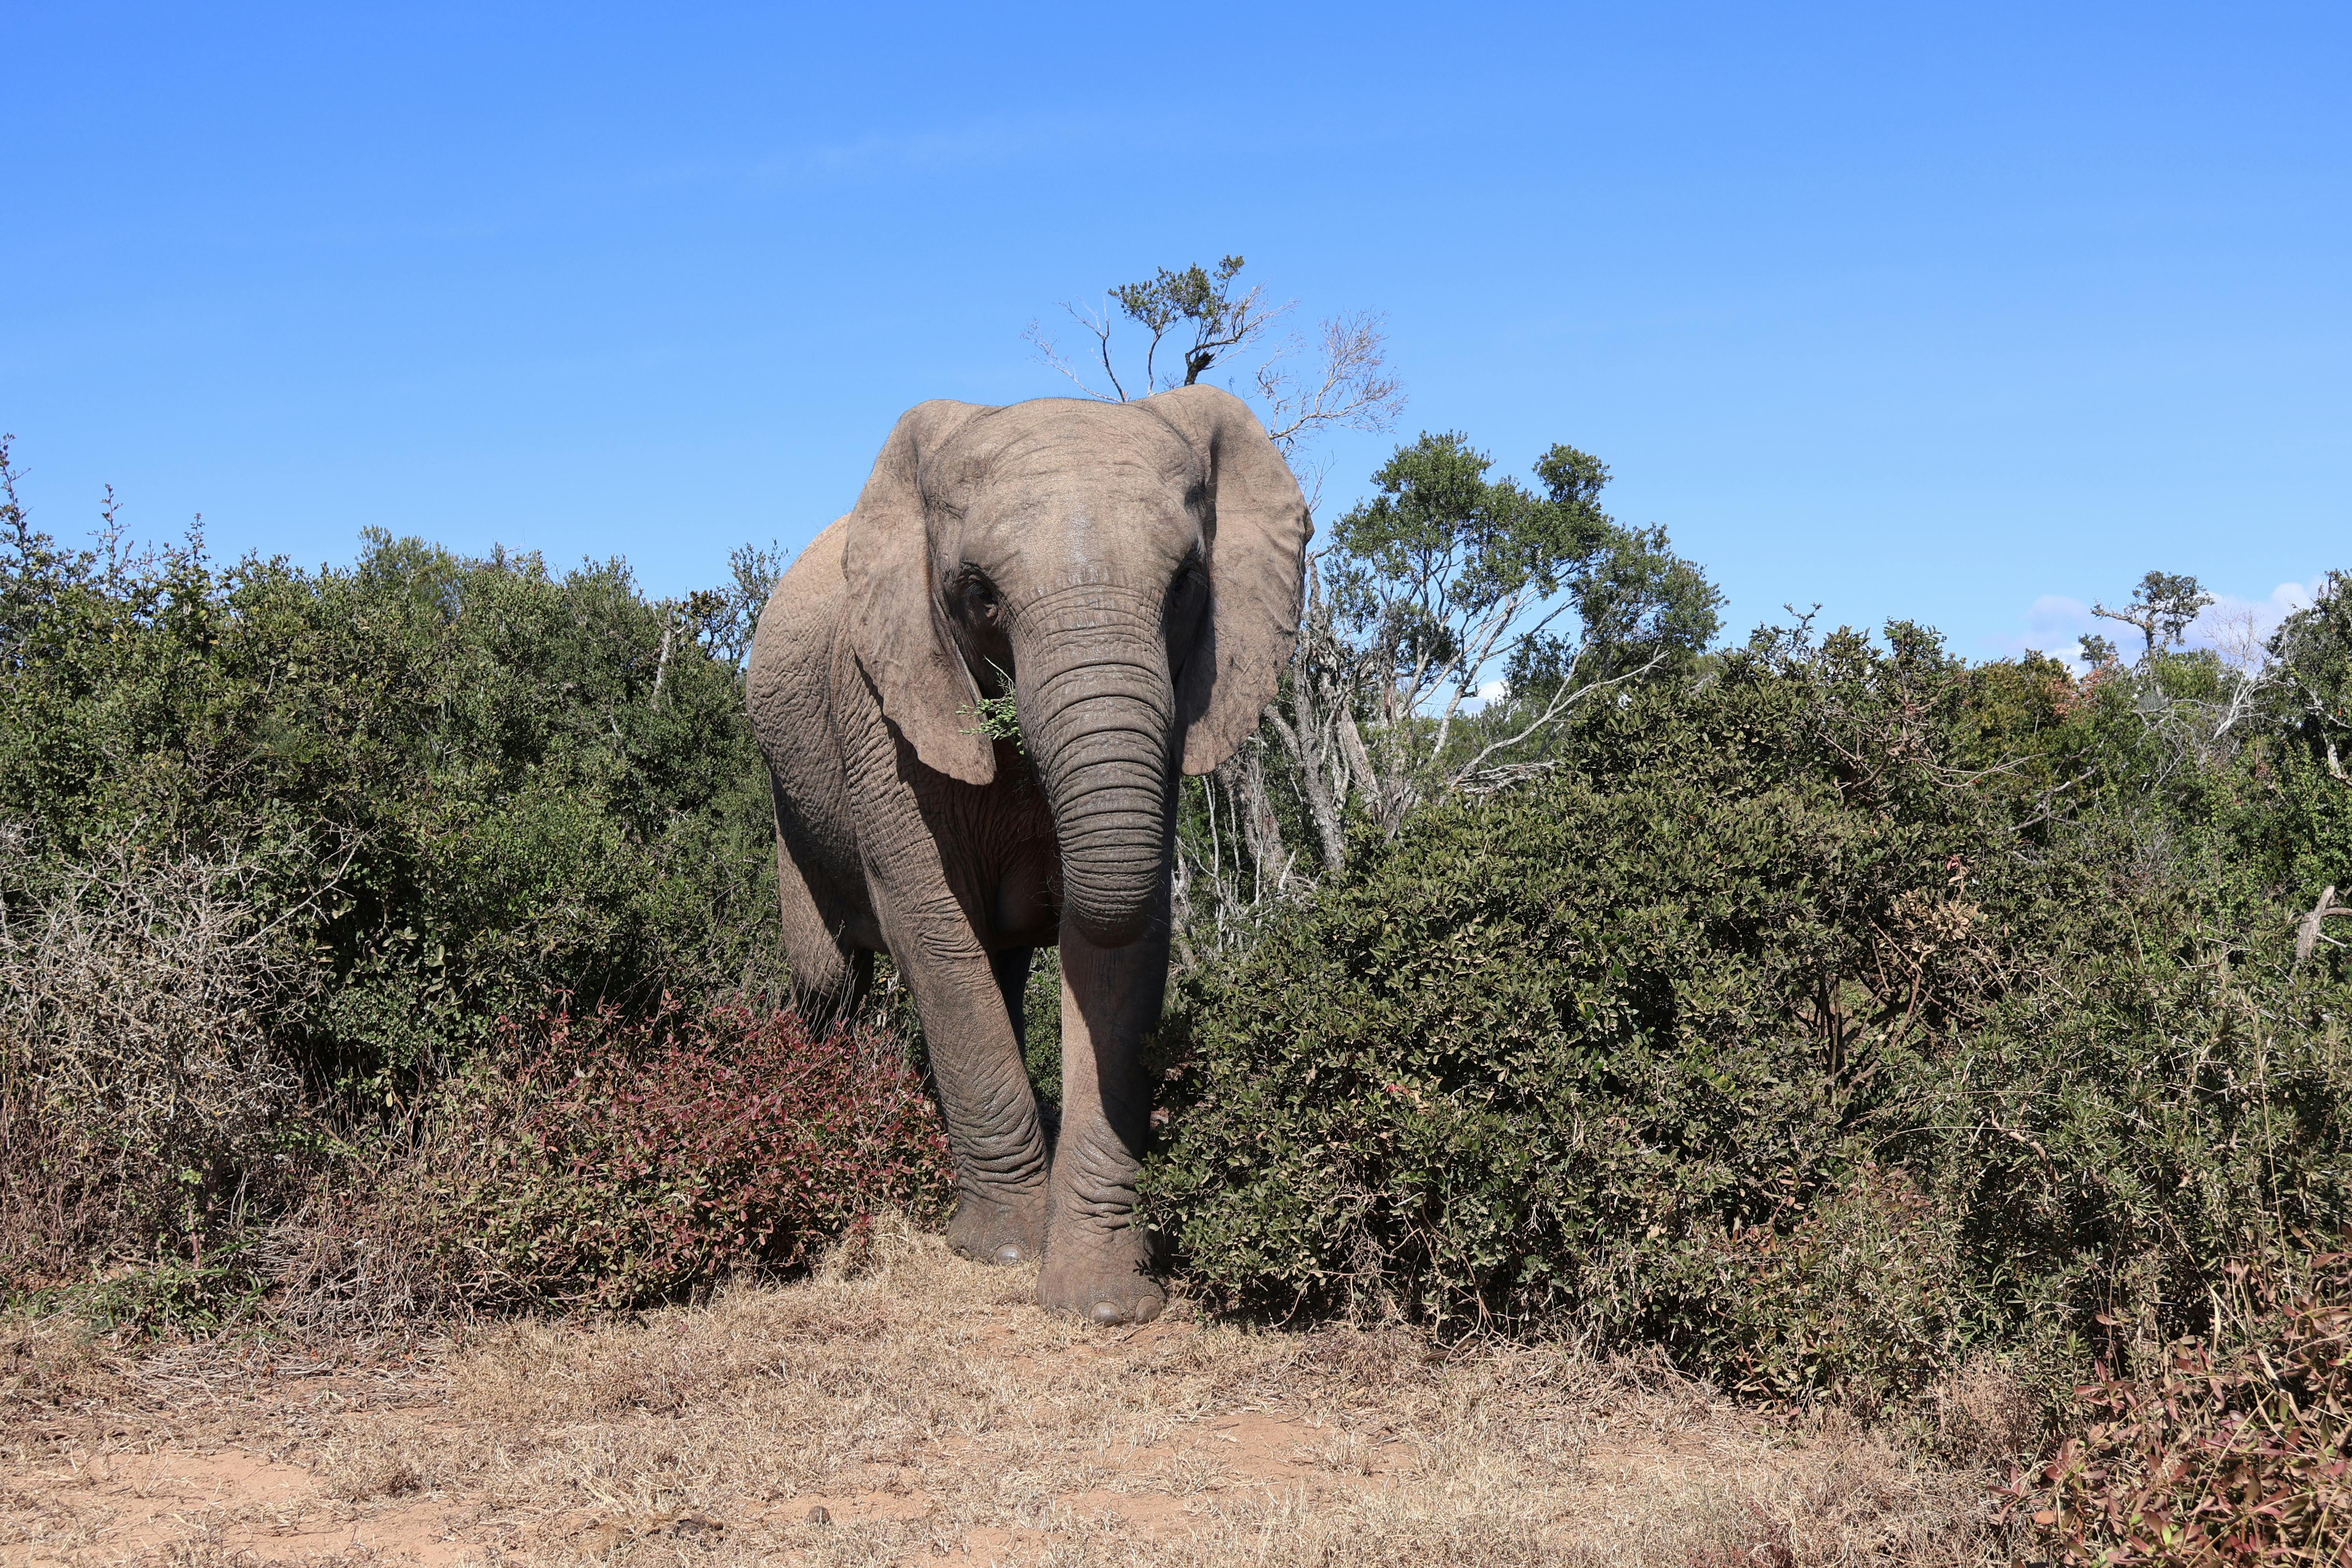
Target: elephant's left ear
(1258, 530)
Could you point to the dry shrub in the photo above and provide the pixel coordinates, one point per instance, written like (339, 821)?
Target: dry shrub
(140, 1096)
(2232, 1452)
(360, 1250)
(51, 1207)
(155, 1145)
(592, 1161)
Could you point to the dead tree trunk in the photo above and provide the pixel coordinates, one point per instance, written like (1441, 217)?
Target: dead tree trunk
(1261, 828)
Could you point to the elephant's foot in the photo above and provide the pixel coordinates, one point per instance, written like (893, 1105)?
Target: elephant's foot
(1009, 1231)
(1101, 1280)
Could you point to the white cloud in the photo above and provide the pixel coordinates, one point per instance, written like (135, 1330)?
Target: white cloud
(1492, 692)
(2232, 626)
(2237, 628)
(2052, 623)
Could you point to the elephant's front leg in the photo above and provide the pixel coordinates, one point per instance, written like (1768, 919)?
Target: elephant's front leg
(991, 1114)
(1098, 1260)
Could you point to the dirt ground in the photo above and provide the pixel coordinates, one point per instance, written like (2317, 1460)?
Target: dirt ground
(925, 1412)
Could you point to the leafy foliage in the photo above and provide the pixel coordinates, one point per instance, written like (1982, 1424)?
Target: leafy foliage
(997, 717)
(2314, 666)
(1435, 657)
(461, 786)
(1445, 571)
(1793, 1022)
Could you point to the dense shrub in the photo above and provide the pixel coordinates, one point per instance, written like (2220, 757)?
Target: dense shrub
(2236, 1447)
(281, 850)
(461, 786)
(278, 847)
(594, 1160)
(1779, 1024)
(1567, 1050)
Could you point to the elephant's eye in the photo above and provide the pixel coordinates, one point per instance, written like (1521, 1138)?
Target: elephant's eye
(980, 598)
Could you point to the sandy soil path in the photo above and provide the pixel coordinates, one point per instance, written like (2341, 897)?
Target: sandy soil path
(925, 1413)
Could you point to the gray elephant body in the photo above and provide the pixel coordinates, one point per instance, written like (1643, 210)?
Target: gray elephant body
(1133, 570)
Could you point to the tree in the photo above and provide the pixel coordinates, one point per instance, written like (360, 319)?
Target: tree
(1199, 318)
(723, 619)
(1451, 624)
(1446, 579)
(2162, 607)
(2098, 652)
(1219, 321)
(2312, 654)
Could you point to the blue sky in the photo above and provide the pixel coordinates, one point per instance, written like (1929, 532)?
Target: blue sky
(1968, 314)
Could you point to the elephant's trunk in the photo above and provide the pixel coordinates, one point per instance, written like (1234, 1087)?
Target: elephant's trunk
(1097, 719)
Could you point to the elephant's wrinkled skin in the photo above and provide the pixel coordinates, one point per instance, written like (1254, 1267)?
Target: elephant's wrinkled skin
(1134, 570)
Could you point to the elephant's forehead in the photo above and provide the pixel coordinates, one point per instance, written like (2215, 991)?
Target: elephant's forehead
(1080, 502)
(1076, 459)
(1088, 533)
(1056, 440)
(1115, 481)
(1062, 492)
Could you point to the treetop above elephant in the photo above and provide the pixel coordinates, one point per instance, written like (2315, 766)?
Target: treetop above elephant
(1129, 573)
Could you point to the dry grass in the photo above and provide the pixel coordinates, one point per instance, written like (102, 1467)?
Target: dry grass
(925, 1410)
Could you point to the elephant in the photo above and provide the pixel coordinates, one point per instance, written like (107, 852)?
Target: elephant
(1130, 574)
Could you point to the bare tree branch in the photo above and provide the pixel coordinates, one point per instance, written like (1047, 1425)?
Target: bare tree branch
(1562, 699)
(1349, 387)
(1344, 381)
(1098, 324)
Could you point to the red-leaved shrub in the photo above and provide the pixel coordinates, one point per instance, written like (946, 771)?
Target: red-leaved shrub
(590, 1161)
(2235, 1456)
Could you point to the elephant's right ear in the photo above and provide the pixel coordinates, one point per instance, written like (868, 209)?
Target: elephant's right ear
(897, 628)
(1258, 535)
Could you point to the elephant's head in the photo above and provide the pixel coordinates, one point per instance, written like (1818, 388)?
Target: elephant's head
(1135, 568)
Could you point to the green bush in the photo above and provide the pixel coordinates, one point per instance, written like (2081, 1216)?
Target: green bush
(279, 848)
(460, 785)
(1778, 1025)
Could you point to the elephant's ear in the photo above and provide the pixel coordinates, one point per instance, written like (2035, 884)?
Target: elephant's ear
(897, 628)
(1257, 531)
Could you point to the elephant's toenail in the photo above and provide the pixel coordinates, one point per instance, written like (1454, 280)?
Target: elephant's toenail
(1010, 1253)
(1107, 1313)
